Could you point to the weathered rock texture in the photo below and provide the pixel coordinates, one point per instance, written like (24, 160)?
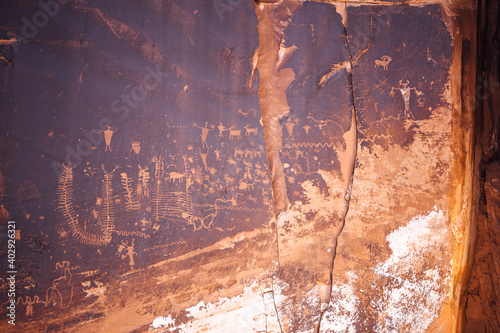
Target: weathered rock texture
(239, 166)
(483, 307)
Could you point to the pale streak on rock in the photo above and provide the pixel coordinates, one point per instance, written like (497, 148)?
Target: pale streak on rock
(274, 81)
(273, 19)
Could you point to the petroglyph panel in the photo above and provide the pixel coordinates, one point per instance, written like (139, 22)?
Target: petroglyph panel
(226, 166)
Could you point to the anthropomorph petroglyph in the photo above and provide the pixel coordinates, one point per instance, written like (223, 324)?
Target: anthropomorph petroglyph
(108, 134)
(142, 188)
(204, 133)
(221, 129)
(404, 88)
(289, 125)
(125, 250)
(204, 158)
(136, 146)
(217, 154)
(306, 128)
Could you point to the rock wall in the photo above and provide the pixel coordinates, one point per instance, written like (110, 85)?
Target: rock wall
(482, 310)
(238, 166)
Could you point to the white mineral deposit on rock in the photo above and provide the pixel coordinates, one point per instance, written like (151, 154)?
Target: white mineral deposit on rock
(413, 292)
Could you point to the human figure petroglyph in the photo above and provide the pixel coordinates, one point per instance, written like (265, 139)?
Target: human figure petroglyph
(221, 129)
(247, 175)
(146, 224)
(204, 158)
(62, 233)
(142, 188)
(306, 128)
(108, 134)
(289, 125)
(204, 134)
(404, 88)
(125, 250)
(217, 154)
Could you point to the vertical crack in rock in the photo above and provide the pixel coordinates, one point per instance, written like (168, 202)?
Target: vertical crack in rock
(347, 169)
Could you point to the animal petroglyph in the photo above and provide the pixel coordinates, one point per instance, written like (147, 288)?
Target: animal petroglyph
(383, 62)
(234, 133)
(245, 186)
(239, 153)
(176, 176)
(250, 130)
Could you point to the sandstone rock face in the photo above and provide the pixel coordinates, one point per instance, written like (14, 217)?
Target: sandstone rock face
(482, 301)
(231, 166)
